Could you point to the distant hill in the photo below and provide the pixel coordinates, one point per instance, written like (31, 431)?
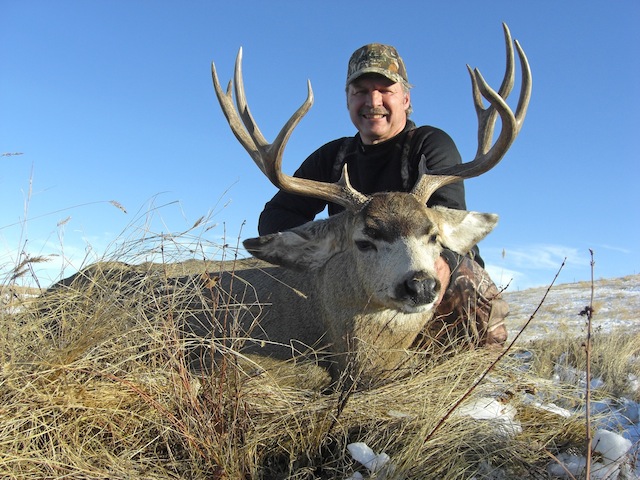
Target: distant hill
(616, 302)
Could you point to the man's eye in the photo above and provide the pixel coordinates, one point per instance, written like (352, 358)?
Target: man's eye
(365, 245)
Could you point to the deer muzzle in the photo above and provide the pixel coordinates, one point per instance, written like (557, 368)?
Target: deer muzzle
(418, 289)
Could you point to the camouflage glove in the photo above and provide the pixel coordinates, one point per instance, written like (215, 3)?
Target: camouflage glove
(472, 311)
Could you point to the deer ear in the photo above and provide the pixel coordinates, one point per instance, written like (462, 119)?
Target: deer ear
(461, 230)
(306, 247)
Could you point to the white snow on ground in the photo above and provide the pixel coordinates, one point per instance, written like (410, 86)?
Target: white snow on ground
(487, 408)
(615, 464)
(377, 464)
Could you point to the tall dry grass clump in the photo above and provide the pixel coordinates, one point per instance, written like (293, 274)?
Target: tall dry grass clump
(615, 359)
(100, 378)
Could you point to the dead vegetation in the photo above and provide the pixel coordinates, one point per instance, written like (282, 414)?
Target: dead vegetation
(97, 381)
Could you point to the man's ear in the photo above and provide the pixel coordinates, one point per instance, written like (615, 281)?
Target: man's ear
(407, 99)
(306, 247)
(460, 230)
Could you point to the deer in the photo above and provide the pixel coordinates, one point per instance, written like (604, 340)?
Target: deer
(361, 285)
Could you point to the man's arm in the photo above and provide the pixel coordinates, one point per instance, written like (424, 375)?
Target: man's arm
(285, 210)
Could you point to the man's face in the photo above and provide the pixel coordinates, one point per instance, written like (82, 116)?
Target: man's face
(377, 107)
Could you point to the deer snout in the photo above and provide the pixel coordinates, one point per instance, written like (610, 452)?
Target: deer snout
(419, 289)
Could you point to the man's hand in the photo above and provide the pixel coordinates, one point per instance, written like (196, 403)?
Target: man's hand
(470, 307)
(444, 274)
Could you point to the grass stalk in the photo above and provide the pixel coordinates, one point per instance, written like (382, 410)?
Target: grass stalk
(588, 348)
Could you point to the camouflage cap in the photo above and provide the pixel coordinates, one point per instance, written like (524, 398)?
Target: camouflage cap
(377, 58)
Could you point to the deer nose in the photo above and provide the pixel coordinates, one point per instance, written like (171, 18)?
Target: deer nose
(419, 289)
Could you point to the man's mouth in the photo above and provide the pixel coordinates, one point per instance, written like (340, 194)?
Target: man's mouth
(375, 114)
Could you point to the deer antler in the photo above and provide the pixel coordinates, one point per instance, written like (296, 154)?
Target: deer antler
(487, 156)
(268, 157)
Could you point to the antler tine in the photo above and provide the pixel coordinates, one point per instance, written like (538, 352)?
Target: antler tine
(243, 107)
(428, 183)
(525, 92)
(226, 104)
(487, 156)
(487, 116)
(272, 170)
(285, 132)
(268, 157)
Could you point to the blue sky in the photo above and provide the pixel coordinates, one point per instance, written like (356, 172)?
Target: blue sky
(112, 100)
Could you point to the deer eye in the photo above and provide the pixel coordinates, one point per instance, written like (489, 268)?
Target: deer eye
(365, 245)
(433, 238)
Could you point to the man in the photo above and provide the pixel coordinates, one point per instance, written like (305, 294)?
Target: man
(384, 156)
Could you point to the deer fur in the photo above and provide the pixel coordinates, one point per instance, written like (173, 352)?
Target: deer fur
(360, 286)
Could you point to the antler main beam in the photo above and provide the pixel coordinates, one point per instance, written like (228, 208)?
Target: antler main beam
(268, 157)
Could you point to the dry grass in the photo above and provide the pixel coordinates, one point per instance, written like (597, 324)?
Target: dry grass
(95, 382)
(615, 356)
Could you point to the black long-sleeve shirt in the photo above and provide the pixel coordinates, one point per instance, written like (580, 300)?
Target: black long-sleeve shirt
(372, 168)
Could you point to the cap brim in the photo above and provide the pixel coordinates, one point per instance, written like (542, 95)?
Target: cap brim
(394, 77)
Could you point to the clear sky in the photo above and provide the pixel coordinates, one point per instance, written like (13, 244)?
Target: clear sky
(112, 100)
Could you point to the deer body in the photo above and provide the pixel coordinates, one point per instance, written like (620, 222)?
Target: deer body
(360, 285)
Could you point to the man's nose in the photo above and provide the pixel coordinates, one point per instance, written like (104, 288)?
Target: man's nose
(375, 98)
